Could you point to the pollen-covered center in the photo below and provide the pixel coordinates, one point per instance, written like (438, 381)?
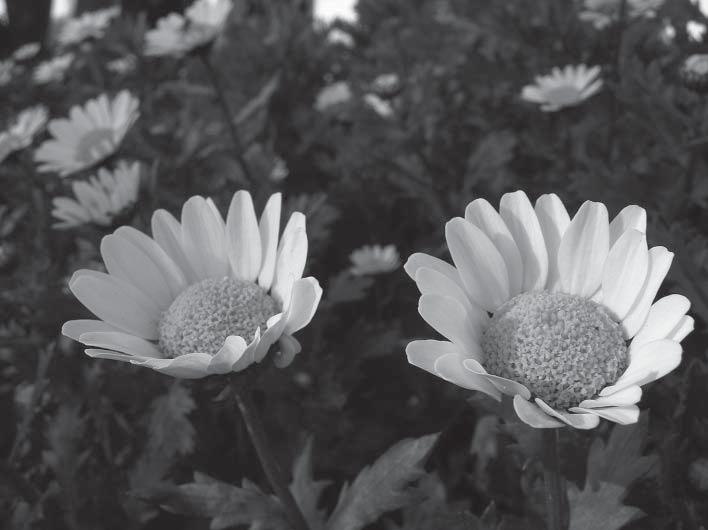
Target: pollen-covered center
(563, 95)
(563, 348)
(204, 314)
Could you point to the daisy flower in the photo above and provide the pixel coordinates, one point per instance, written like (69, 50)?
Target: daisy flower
(26, 51)
(333, 94)
(100, 199)
(177, 35)
(122, 65)
(601, 13)
(53, 70)
(694, 72)
(90, 134)
(202, 296)
(374, 259)
(22, 132)
(563, 88)
(380, 106)
(557, 313)
(386, 85)
(90, 25)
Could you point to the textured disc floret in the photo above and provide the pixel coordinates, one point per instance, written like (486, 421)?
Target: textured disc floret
(206, 313)
(563, 348)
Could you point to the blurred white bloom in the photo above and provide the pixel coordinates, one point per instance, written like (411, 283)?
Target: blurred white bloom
(330, 10)
(667, 34)
(381, 107)
(54, 69)
(6, 70)
(99, 199)
(694, 72)
(176, 35)
(26, 51)
(89, 25)
(333, 94)
(374, 259)
(337, 36)
(90, 134)
(280, 171)
(122, 65)
(563, 88)
(386, 84)
(601, 13)
(202, 296)
(702, 6)
(21, 133)
(695, 30)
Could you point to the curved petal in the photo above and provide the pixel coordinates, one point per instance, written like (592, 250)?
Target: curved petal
(75, 328)
(167, 233)
(424, 353)
(622, 415)
(291, 257)
(554, 221)
(449, 318)
(520, 218)
(243, 239)
(583, 250)
(249, 355)
(203, 239)
(625, 272)
(305, 298)
(532, 415)
(419, 260)
(506, 386)
(268, 227)
(187, 366)
(289, 348)
(578, 421)
(230, 353)
(664, 316)
(121, 342)
(628, 396)
(649, 363)
(683, 328)
(481, 267)
(483, 215)
(450, 368)
(631, 217)
(95, 353)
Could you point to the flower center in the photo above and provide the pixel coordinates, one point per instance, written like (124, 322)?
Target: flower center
(205, 313)
(562, 347)
(94, 145)
(563, 95)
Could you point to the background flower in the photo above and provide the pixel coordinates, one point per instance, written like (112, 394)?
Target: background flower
(563, 88)
(374, 259)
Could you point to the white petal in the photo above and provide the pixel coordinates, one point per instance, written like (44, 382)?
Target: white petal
(305, 298)
(424, 353)
(659, 263)
(625, 272)
(449, 318)
(113, 356)
(532, 415)
(578, 421)
(187, 366)
(649, 363)
(628, 396)
(243, 239)
(621, 415)
(269, 227)
(583, 250)
(450, 368)
(519, 216)
(167, 232)
(664, 316)
(481, 267)
(121, 342)
(683, 328)
(203, 239)
(506, 386)
(483, 215)
(230, 353)
(249, 356)
(290, 261)
(631, 217)
(75, 328)
(289, 348)
(554, 221)
(419, 260)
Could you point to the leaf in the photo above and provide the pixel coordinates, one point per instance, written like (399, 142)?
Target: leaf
(602, 508)
(306, 489)
(346, 288)
(170, 430)
(225, 504)
(388, 484)
(620, 460)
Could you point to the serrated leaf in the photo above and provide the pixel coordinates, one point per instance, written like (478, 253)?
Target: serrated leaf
(306, 490)
(388, 484)
(602, 508)
(170, 431)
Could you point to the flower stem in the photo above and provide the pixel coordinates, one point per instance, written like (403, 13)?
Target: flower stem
(228, 116)
(553, 481)
(266, 456)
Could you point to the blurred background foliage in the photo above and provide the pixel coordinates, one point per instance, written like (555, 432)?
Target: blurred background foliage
(93, 444)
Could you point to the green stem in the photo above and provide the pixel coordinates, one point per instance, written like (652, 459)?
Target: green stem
(270, 465)
(553, 481)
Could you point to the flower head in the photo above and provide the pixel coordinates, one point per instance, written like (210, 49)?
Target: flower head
(386, 85)
(557, 313)
(202, 296)
(90, 134)
(694, 72)
(602, 13)
(26, 51)
(54, 69)
(563, 88)
(89, 25)
(176, 35)
(22, 132)
(100, 199)
(374, 259)
(333, 94)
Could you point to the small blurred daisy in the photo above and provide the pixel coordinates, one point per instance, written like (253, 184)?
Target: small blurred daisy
(667, 33)
(89, 25)
(26, 51)
(202, 296)
(337, 36)
(374, 259)
(702, 6)
(695, 30)
(22, 132)
(379, 106)
(333, 94)
(386, 85)
(100, 199)
(279, 171)
(694, 72)
(574, 331)
(176, 35)
(602, 13)
(6, 70)
(53, 70)
(563, 88)
(122, 65)
(90, 134)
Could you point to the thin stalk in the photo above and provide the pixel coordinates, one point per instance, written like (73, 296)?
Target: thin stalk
(228, 116)
(553, 481)
(270, 465)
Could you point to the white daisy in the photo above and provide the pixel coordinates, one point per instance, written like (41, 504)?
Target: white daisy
(381, 107)
(601, 13)
(89, 25)
(90, 134)
(100, 199)
(54, 69)
(22, 132)
(386, 84)
(573, 333)
(122, 65)
(695, 30)
(338, 36)
(563, 88)
(7, 68)
(26, 51)
(333, 94)
(279, 171)
(202, 296)
(176, 35)
(374, 259)
(694, 72)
